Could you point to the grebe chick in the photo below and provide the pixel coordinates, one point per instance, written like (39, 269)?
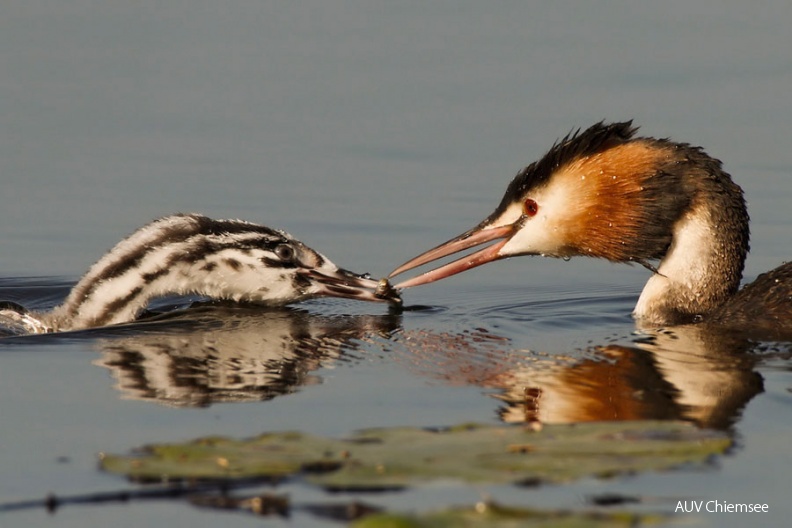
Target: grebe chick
(605, 193)
(192, 254)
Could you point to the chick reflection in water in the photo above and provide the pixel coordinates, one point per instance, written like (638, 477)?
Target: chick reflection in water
(691, 373)
(233, 354)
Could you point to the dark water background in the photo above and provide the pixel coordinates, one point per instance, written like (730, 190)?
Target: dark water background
(372, 131)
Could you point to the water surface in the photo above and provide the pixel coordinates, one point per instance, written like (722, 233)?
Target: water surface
(372, 132)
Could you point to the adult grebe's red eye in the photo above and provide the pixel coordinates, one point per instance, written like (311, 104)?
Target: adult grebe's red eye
(530, 207)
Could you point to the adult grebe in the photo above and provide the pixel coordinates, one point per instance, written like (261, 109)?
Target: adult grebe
(192, 254)
(604, 193)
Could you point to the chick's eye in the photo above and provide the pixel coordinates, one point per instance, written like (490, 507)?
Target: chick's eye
(284, 252)
(530, 207)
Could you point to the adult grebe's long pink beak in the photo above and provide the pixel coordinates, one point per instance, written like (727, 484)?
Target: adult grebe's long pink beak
(474, 237)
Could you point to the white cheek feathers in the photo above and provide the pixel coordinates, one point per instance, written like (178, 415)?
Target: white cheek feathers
(544, 233)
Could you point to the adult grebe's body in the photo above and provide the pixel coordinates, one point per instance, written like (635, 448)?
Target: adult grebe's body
(192, 254)
(604, 193)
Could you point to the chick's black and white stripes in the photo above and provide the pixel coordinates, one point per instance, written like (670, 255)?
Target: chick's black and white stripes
(192, 254)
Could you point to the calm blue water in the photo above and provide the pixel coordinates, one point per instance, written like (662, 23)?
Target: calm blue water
(371, 131)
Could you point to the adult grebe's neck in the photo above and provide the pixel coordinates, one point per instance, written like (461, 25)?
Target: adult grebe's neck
(703, 265)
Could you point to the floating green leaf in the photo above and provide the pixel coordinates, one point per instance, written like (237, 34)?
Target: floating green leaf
(398, 457)
(490, 515)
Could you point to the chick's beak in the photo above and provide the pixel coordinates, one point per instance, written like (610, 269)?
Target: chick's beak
(348, 285)
(474, 237)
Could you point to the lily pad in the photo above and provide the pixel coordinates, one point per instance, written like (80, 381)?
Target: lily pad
(492, 515)
(394, 458)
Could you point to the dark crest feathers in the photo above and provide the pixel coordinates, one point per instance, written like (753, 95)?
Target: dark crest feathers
(576, 144)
